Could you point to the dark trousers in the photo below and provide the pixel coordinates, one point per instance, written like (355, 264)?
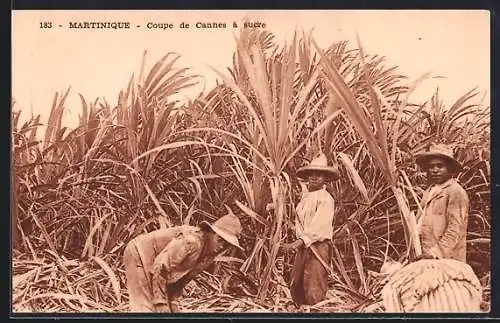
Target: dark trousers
(310, 278)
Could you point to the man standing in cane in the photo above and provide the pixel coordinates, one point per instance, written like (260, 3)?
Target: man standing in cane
(443, 224)
(314, 229)
(441, 280)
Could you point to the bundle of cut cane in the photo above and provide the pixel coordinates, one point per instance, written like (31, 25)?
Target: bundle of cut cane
(432, 285)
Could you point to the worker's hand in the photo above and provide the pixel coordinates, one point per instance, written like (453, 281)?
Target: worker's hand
(162, 308)
(174, 306)
(293, 246)
(426, 256)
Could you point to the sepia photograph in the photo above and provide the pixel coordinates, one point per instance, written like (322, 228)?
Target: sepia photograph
(250, 161)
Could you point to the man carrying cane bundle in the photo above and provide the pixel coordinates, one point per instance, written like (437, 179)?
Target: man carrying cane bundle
(440, 280)
(445, 204)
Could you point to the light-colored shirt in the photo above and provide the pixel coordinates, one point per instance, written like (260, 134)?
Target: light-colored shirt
(314, 221)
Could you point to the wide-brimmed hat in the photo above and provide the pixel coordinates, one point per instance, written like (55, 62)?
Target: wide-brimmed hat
(438, 150)
(320, 164)
(227, 227)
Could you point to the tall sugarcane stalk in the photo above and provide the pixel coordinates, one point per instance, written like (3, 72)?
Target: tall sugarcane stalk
(376, 140)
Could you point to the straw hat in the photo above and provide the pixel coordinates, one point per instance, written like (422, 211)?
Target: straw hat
(227, 227)
(438, 150)
(319, 163)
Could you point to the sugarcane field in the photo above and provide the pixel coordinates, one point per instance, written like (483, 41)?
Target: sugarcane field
(261, 166)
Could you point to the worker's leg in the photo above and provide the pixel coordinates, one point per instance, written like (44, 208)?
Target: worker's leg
(138, 283)
(315, 274)
(297, 284)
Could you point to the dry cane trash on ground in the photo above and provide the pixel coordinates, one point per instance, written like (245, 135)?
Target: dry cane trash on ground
(97, 285)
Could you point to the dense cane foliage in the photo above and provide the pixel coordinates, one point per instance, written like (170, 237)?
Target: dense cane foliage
(148, 162)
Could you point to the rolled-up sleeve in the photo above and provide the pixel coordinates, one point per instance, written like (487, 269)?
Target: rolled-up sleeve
(166, 261)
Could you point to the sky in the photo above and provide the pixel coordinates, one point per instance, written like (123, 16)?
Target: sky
(99, 62)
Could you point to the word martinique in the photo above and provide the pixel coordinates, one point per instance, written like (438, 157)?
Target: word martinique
(160, 25)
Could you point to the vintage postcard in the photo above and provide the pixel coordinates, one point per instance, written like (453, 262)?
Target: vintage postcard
(278, 161)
